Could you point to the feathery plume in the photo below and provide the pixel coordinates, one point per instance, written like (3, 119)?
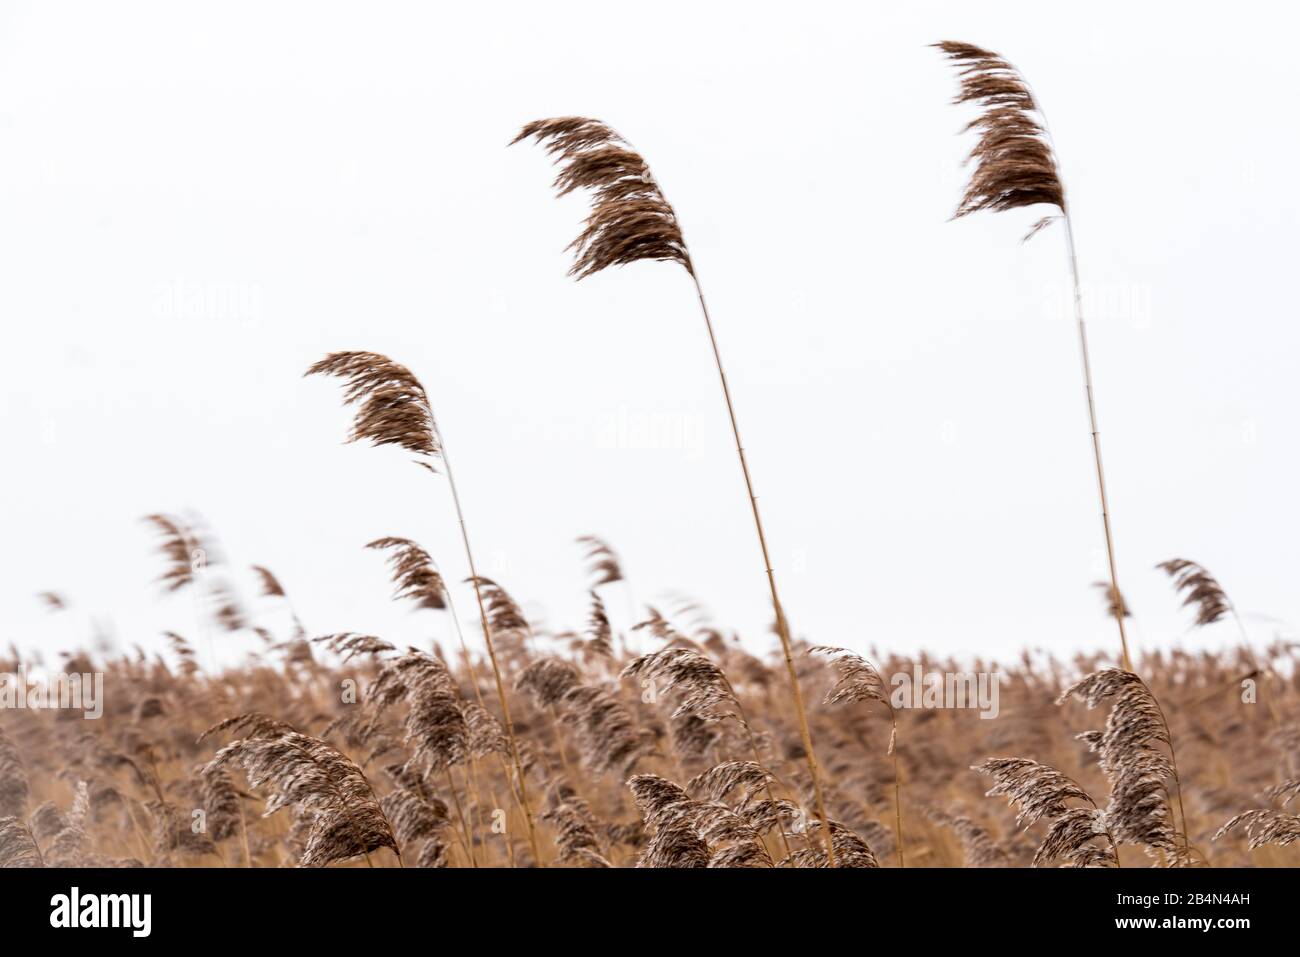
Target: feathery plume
(328, 790)
(413, 816)
(14, 789)
(1036, 790)
(657, 798)
(693, 736)
(1268, 825)
(1199, 588)
(1014, 165)
(414, 573)
(676, 844)
(505, 616)
(857, 679)
(1135, 752)
(227, 608)
(601, 641)
(667, 810)
(850, 850)
(766, 815)
(608, 736)
(486, 736)
(548, 680)
(432, 854)
(220, 800)
(349, 644)
(68, 849)
(602, 561)
(52, 600)
(1264, 826)
(630, 219)
(173, 833)
(749, 777)
(575, 830)
(184, 650)
(393, 408)
(731, 840)
(271, 587)
(1286, 792)
(1116, 606)
(181, 547)
(18, 847)
(688, 832)
(1039, 793)
(188, 550)
(704, 689)
(979, 848)
(435, 724)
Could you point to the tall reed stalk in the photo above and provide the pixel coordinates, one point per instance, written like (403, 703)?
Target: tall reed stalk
(630, 220)
(492, 657)
(1092, 424)
(782, 626)
(394, 409)
(1015, 165)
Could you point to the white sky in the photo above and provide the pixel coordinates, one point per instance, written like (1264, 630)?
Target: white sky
(198, 201)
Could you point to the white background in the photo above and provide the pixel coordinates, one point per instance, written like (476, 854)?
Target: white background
(199, 200)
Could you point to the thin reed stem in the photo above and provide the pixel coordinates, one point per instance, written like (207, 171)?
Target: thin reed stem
(1118, 606)
(1254, 663)
(460, 814)
(522, 794)
(898, 793)
(464, 649)
(782, 628)
(1016, 165)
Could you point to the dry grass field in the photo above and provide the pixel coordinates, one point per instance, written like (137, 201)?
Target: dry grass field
(671, 743)
(347, 750)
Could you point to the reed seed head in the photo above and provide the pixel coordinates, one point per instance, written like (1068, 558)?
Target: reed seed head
(1014, 164)
(630, 219)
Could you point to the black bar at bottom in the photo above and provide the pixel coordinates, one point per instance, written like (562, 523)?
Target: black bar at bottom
(360, 905)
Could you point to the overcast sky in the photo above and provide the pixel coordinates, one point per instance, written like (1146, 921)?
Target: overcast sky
(198, 201)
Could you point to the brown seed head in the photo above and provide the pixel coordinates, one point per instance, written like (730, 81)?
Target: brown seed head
(1014, 165)
(393, 408)
(630, 219)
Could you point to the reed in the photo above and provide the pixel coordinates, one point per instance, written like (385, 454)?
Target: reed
(631, 220)
(327, 782)
(394, 409)
(357, 753)
(1202, 591)
(857, 680)
(1015, 165)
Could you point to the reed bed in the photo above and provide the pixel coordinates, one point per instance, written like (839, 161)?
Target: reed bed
(685, 751)
(662, 740)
